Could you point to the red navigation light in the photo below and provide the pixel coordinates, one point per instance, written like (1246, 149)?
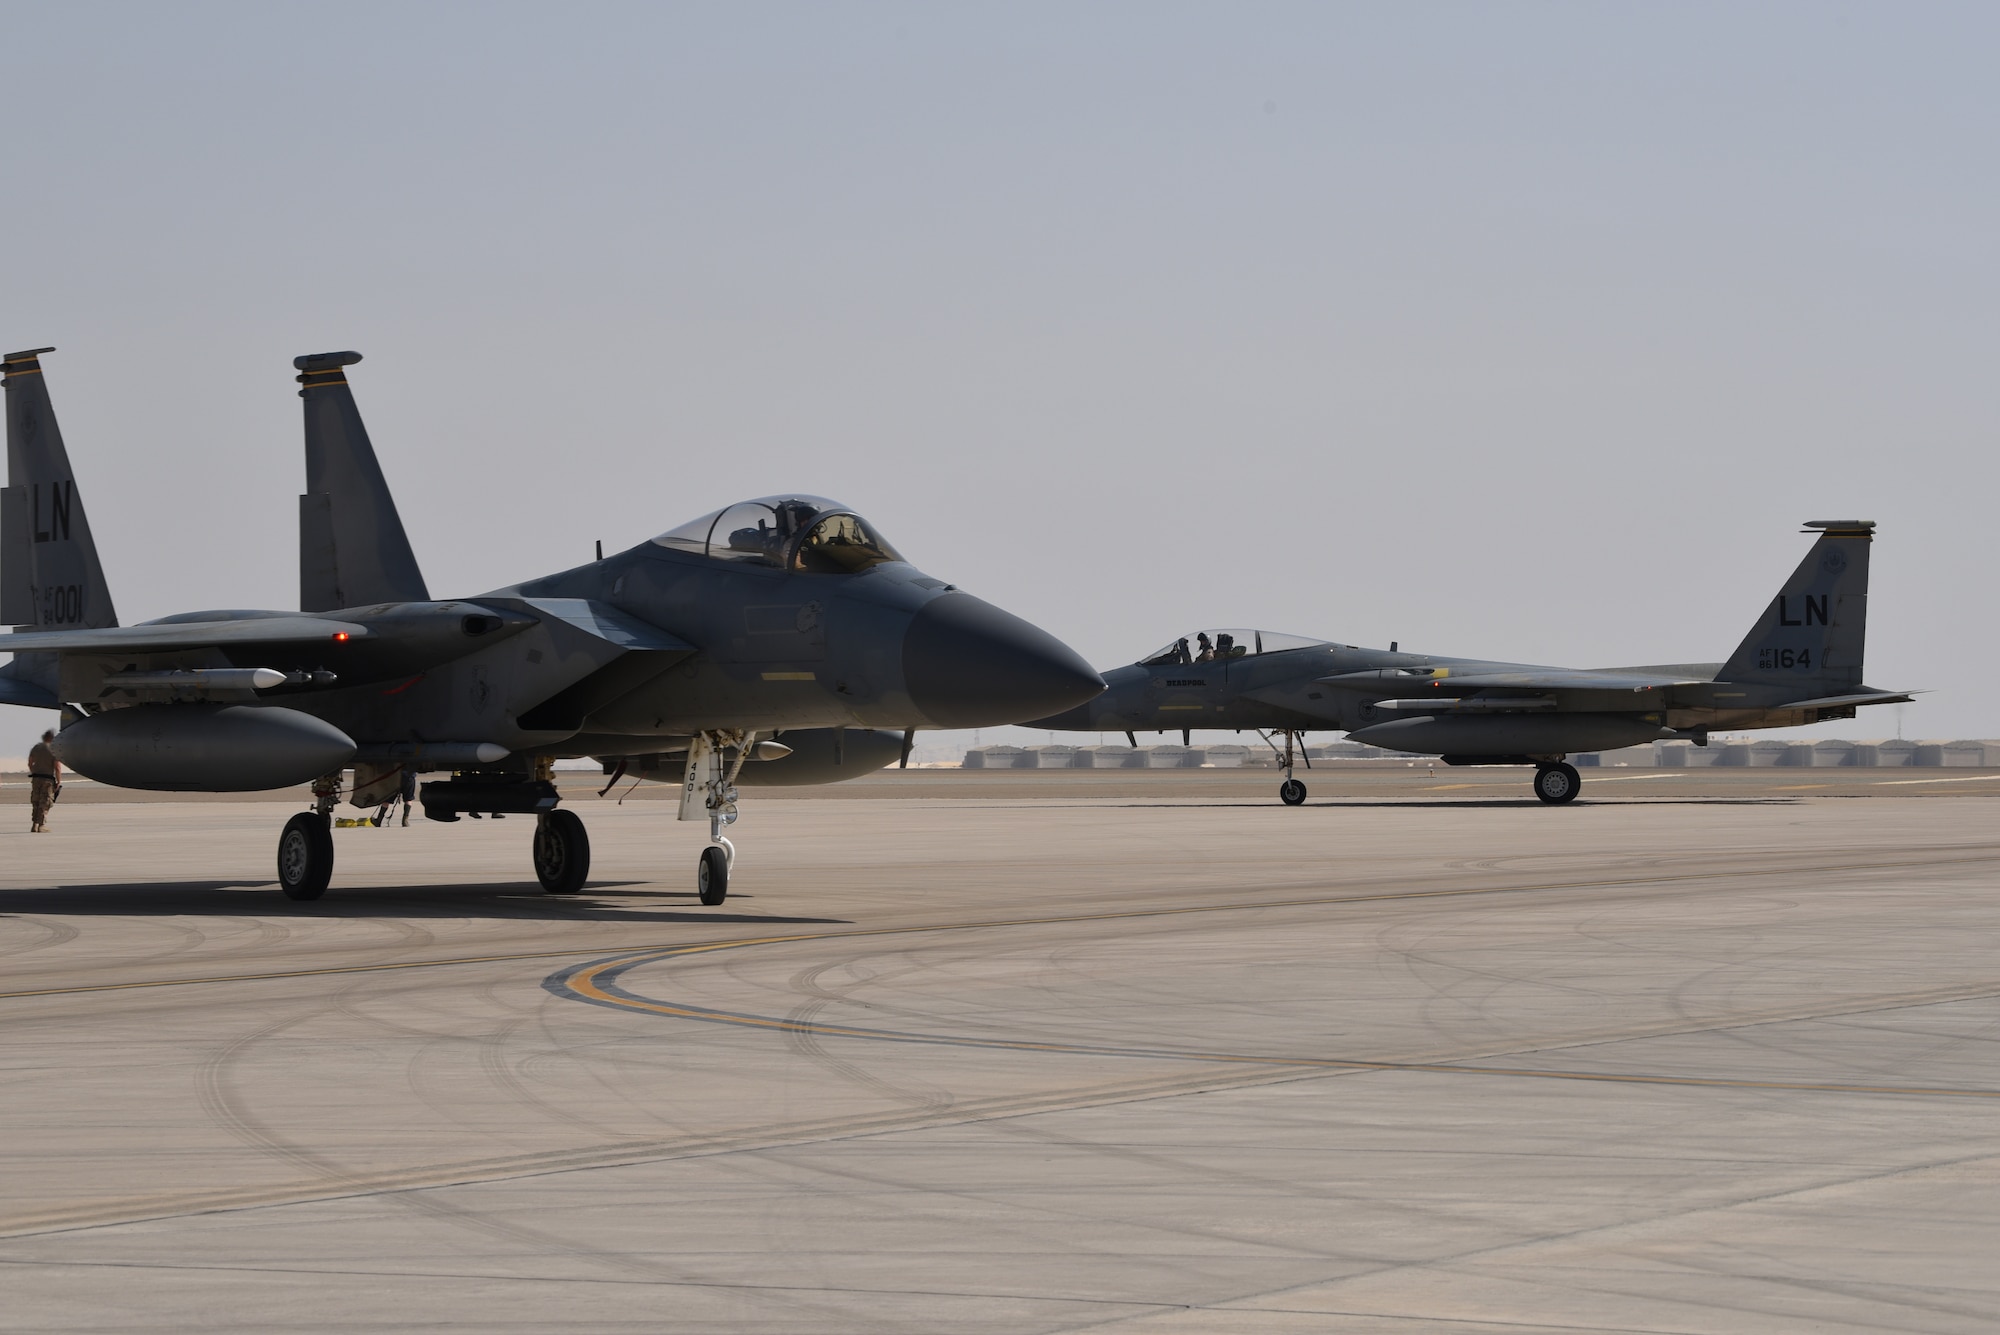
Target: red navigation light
(340, 637)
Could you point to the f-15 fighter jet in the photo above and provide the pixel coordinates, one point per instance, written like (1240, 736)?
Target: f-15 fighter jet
(1800, 663)
(788, 614)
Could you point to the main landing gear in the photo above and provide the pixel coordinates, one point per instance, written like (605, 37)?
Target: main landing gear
(1291, 792)
(1557, 782)
(305, 849)
(305, 856)
(562, 852)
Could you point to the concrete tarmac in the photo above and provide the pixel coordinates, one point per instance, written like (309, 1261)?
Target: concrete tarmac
(1168, 1058)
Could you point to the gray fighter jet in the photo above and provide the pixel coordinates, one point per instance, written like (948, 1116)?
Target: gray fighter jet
(1800, 663)
(789, 615)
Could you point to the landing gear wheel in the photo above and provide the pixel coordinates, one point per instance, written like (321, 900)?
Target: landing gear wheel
(711, 877)
(562, 852)
(1556, 784)
(305, 856)
(1291, 792)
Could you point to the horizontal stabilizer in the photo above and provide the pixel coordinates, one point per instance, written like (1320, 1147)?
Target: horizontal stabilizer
(14, 691)
(611, 625)
(1849, 701)
(176, 635)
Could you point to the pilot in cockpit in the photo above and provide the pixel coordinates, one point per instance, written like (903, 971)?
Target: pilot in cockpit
(1207, 654)
(763, 539)
(768, 539)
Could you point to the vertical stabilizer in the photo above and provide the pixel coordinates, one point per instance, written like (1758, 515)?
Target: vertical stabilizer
(1812, 634)
(49, 574)
(352, 548)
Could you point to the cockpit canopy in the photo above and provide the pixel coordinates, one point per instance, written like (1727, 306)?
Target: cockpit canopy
(808, 533)
(1210, 646)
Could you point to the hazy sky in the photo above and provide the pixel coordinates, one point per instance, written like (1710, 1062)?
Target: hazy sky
(1525, 331)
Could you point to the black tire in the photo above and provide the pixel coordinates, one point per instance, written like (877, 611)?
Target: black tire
(562, 852)
(1556, 784)
(305, 856)
(1291, 792)
(711, 875)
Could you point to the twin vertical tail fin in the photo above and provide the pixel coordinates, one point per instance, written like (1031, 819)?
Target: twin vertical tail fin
(352, 548)
(49, 572)
(1813, 633)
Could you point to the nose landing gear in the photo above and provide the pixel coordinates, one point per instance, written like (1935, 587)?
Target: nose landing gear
(1291, 792)
(1557, 783)
(711, 877)
(710, 790)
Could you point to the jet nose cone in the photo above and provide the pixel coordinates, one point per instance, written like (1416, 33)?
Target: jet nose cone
(968, 664)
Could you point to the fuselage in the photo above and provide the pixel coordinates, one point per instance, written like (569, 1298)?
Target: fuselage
(1286, 690)
(883, 647)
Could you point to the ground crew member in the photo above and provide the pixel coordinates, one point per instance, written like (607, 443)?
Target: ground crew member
(45, 778)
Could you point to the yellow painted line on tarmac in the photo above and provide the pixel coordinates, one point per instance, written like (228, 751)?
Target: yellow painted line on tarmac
(1799, 787)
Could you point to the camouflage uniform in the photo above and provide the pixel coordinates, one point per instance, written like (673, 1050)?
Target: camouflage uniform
(42, 780)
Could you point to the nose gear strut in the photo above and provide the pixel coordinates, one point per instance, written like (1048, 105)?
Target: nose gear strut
(1291, 792)
(709, 789)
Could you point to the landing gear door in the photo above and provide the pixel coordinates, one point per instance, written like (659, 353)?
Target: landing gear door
(704, 771)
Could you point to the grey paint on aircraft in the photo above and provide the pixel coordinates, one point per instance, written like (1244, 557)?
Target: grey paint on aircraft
(1800, 663)
(352, 547)
(788, 613)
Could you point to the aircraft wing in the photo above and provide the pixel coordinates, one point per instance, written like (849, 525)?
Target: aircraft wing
(1526, 679)
(1560, 679)
(649, 651)
(175, 635)
(611, 625)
